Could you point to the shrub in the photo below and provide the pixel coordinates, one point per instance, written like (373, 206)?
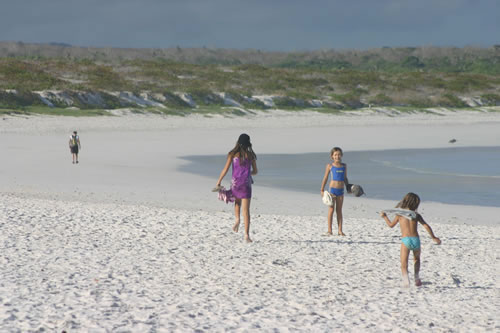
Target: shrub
(206, 97)
(420, 102)
(412, 62)
(351, 100)
(287, 102)
(468, 82)
(381, 99)
(103, 77)
(450, 100)
(19, 99)
(175, 101)
(23, 75)
(491, 99)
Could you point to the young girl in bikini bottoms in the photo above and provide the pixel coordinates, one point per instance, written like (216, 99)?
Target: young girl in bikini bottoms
(243, 161)
(408, 222)
(338, 172)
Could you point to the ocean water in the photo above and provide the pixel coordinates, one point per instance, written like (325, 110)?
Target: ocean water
(462, 175)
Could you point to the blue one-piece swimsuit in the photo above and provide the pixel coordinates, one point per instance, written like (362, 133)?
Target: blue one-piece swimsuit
(338, 174)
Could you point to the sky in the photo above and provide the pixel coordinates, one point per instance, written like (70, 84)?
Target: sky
(268, 25)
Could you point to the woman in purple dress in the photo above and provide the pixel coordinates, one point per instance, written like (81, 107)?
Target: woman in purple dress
(244, 166)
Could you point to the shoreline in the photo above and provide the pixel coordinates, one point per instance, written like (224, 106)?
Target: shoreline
(436, 174)
(135, 158)
(127, 119)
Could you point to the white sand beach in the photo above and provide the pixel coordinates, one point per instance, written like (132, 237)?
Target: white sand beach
(124, 241)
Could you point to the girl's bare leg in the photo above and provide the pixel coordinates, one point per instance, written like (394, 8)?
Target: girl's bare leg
(245, 203)
(416, 267)
(237, 206)
(404, 264)
(340, 203)
(331, 209)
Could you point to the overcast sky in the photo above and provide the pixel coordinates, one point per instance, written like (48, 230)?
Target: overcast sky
(274, 25)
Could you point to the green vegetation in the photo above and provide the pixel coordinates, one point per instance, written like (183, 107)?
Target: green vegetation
(452, 101)
(491, 99)
(45, 110)
(381, 99)
(415, 77)
(206, 111)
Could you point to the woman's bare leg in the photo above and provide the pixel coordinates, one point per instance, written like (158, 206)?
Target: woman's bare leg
(340, 218)
(245, 203)
(237, 206)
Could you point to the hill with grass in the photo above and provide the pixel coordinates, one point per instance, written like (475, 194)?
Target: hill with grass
(50, 77)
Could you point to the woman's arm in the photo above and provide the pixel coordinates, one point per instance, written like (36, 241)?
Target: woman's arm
(225, 169)
(254, 168)
(325, 178)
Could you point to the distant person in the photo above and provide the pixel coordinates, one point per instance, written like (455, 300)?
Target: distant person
(408, 220)
(338, 172)
(243, 161)
(74, 146)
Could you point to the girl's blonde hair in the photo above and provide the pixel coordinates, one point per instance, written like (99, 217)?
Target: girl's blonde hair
(334, 149)
(410, 201)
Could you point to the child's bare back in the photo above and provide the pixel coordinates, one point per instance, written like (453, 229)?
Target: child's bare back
(408, 226)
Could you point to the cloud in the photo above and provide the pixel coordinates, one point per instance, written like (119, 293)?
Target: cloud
(264, 24)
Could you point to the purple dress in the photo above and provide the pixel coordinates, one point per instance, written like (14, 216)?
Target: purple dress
(241, 183)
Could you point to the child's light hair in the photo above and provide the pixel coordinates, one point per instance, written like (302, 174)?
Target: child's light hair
(334, 149)
(410, 201)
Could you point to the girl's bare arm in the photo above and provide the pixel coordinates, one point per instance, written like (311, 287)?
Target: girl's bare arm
(224, 170)
(428, 228)
(389, 223)
(325, 178)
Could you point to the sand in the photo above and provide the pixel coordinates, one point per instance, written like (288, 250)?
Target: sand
(124, 241)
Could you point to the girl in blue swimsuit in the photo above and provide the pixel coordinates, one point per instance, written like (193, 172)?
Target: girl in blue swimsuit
(338, 172)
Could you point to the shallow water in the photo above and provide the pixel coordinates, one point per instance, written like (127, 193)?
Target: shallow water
(469, 176)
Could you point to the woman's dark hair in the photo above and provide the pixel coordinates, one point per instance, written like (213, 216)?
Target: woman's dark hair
(243, 148)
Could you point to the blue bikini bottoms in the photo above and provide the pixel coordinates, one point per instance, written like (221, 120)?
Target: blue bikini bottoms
(412, 243)
(336, 191)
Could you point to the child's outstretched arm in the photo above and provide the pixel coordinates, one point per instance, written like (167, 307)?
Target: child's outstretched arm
(389, 223)
(325, 178)
(428, 228)
(224, 170)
